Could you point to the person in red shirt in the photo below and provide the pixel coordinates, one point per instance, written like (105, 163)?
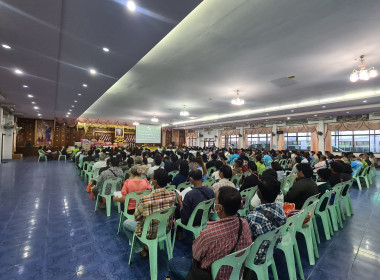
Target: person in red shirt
(218, 239)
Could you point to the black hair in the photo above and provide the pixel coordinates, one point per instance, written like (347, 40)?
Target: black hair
(336, 167)
(114, 161)
(130, 162)
(218, 164)
(230, 199)
(269, 188)
(145, 160)
(239, 162)
(196, 174)
(347, 168)
(276, 166)
(305, 169)
(298, 159)
(226, 170)
(324, 173)
(214, 156)
(269, 173)
(252, 166)
(184, 168)
(258, 158)
(161, 176)
(157, 160)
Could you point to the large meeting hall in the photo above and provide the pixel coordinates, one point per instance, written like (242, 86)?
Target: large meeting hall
(189, 139)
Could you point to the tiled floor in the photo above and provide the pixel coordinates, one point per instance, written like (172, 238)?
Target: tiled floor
(49, 231)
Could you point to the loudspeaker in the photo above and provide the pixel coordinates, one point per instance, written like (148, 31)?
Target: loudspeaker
(200, 135)
(273, 134)
(320, 133)
(280, 132)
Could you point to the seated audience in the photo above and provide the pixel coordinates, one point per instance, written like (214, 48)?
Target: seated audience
(336, 170)
(212, 162)
(321, 164)
(324, 185)
(255, 201)
(237, 167)
(158, 200)
(303, 187)
(259, 164)
(276, 166)
(356, 164)
(234, 156)
(157, 164)
(225, 175)
(268, 216)
(346, 172)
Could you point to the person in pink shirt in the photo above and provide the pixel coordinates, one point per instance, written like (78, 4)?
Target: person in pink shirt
(133, 184)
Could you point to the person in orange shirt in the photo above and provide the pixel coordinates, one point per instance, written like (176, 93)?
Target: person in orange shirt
(133, 184)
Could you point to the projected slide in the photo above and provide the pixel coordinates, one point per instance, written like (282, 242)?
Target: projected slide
(146, 133)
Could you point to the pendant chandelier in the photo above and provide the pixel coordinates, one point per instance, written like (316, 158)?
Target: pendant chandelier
(184, 113)
(154, 119)
(363, 73)
(237, 100)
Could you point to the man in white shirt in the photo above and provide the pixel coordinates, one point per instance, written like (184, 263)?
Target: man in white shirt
(225, 174)
(101, 163)
(157, 163)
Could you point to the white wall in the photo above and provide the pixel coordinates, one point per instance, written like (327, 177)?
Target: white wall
(7, 144)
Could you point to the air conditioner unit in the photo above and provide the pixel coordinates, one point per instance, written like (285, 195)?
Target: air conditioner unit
(374, 116)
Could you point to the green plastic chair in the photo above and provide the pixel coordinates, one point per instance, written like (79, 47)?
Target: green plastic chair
(246, 174)
(124, 215)
(335, 208)
(310, 200)
(114, 182)
(173, 173)
(204, 207)
(211, 170)
(248, 193)
(355, 176)
(287, 183)
(237, 179)
(209, 182)
(61, 156)
(171, 188)
(364, 175)
(321, 210)
(261, 270)
(307, 230)
(163, 218)
(83, 168)
(183, 186)
(345, 196)
(88, 171)
(289, 246)
(235, 260)
(125, 174)
(94, 175)
(41, 156)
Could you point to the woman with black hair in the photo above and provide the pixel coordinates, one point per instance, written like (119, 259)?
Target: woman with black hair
(183, 174)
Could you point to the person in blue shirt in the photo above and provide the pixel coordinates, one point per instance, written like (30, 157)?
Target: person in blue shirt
(267, 158)
(356, 164)
(234, 157)
(183, 174)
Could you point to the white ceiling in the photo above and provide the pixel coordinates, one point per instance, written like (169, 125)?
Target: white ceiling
(251, 45)
(56, 42)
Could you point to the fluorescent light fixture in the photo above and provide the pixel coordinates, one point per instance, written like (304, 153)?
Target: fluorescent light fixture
(36, 108)
(315, 115)
(79, 94)
(75, 100)
(25, 86)
(364, 101)
(92, 71)
(106, 49)
(84, 85)
(30, 96)
(5, 46)
(18, 72)
(33, 102)
(288, 118)
(131, 6)
(342, 98)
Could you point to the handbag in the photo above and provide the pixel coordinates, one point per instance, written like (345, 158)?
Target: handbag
(197, 273)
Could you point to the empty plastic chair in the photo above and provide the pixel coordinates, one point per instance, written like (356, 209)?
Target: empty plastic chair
(248, 194)
(211, 170)
(237, 179)
(61, 156)
(321, 210)
(114, 182)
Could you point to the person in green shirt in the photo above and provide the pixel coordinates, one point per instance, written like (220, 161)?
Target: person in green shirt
(259, 164)
(324, 177)
(74, 152)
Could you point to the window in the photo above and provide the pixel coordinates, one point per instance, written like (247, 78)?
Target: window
(192, 141)
(298, 141)
(261, 141)
(223, 141)
(361, 141)
(209, 142)
(233, 140)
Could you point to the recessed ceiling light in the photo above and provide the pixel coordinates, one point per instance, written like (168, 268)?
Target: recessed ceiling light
(315, 115)
(6, 46)
(67, 116)
(30, 96)
(266, 120)
(84, 85)
(92, 71)
(75, 100)
(68, 113)
(33, 102)
(292, 111)
(364, 101)
(106, 49)
(25, 86)
(39, 115)
(131, 6)
(79, 94)
(18, 72)
(72, 106)
(267, 114)
(70, 110)
(323, 106)
(288, 118)
(347, 112)
(36, 108)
